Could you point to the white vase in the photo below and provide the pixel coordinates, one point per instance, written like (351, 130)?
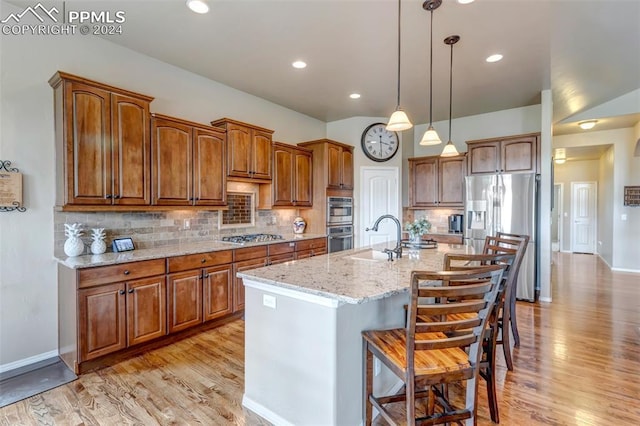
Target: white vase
(298, 225)
(98, 247)
(73, 246)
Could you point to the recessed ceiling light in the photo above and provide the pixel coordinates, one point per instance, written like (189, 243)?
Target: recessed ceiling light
(465, 1)
(355, 96)
(299, 64)
(494, 58)
(198, 6)
(588, 124)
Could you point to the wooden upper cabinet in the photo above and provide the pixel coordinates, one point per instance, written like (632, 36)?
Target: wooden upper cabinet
(186, 163)
(514, 154)
(248, 150)
(332, 164)
(292, 176)
(437, 181)
(102, 143)
(347, 168)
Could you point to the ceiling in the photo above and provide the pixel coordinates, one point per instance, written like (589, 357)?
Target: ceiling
(587, 52)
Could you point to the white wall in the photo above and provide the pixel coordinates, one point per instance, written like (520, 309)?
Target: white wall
(28, 289)
(625, 233)
(606, 203)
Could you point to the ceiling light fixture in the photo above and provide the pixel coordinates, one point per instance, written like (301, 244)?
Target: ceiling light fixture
(299, 64)
(494, 58)
(431, 137)
(465, 1)
(450, 149)
(399, 120)
(561, 156)
(355, 96)
(198, 6)
(587, 124)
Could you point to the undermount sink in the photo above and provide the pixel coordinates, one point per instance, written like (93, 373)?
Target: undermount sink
(370, 255)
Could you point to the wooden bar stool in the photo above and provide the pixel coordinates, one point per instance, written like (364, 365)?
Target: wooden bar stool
(456, 262)
(432, 350)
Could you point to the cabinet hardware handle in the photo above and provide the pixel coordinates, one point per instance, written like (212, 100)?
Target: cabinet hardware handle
(206, 276)
(107, 196)
(203, 260)
(116, 196)
(121, 292)
(126, 272)
(131, 290)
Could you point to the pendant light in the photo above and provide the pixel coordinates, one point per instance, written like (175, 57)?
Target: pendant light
(450, 149)
(431, 137)
(399, 120)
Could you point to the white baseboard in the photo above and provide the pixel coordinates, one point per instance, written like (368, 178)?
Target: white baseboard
(545, 299)
(264, 412)
(27, 361)
(633, 271)
(603, 259)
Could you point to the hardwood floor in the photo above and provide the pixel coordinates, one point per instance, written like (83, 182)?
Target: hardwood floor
(578, 364)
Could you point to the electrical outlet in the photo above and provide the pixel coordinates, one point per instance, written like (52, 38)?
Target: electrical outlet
(187, 224)
(269, 301)
(623, 217)
(376, 367)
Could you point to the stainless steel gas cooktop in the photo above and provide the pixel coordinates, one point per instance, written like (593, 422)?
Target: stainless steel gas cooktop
(251, 238)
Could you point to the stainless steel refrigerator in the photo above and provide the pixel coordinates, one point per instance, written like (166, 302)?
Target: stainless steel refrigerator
(505, 203)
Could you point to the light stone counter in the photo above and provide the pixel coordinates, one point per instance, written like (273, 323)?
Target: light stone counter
(90, 261)
(351, 276)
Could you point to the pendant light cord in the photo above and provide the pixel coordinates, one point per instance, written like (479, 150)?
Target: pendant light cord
(431, 73)
(450, 90)
(399, 10)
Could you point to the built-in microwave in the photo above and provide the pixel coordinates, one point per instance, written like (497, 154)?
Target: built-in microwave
(339, 210)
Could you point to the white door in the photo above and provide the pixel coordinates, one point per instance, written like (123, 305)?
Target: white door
(379, 195)
(583, 208)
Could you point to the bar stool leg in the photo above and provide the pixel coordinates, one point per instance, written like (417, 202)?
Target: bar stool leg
(512, 317)
(368, 388)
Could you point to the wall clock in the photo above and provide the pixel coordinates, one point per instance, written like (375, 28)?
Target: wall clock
(378, 143)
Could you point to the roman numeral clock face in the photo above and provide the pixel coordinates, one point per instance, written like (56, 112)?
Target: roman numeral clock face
(378, 143)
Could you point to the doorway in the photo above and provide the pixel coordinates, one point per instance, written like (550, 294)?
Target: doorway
(556, 217)
(379, 194)
(584, 217)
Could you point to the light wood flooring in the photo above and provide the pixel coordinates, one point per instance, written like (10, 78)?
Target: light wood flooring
(578, 364)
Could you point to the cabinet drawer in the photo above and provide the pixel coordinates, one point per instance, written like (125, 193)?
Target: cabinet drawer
(281, 248)
(316, 243)
(123, 272)
(280, 258)
(250, 253)
(200, 260)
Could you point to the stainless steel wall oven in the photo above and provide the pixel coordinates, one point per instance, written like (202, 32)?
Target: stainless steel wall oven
(339, 238)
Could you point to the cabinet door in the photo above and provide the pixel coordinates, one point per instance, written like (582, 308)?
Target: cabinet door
(347, 169)
(334, 166)
(239, 141)
(484, 158)
(131, 147)
(88, 145)
(261, 155)
(451, 173)
(283, 177)
(423, 176)
(217, 290)
(519, 155)
(303, 179)
(209, 176)
(146, 309)
(101, 320)
(238, 286)
(171, 163)
(184, 291)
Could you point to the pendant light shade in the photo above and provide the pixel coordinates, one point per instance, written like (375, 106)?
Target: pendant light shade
(399, 120)
(431, 137)
(450, 149)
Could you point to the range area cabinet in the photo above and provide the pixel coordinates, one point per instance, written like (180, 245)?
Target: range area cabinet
(310, 248)
(245, 259)
(437, 181)
(332, 163)
(109, 308)
(292, 176)
(199, 288)
(102, 144)
(248, 151)
(186, 165)
(511, 154)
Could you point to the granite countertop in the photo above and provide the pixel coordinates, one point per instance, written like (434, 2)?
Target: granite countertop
(89, 261)
(351, 276)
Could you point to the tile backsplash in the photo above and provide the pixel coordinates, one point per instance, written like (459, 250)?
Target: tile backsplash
(156, 229)
(439, 218)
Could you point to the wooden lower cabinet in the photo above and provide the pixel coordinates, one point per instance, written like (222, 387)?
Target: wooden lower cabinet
(117, 316)
(238, 285)
(310, 248)
(184, 307)
(217, 295)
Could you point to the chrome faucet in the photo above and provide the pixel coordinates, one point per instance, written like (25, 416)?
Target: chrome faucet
(398, 249)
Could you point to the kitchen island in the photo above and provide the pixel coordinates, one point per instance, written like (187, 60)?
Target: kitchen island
(303, 348)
